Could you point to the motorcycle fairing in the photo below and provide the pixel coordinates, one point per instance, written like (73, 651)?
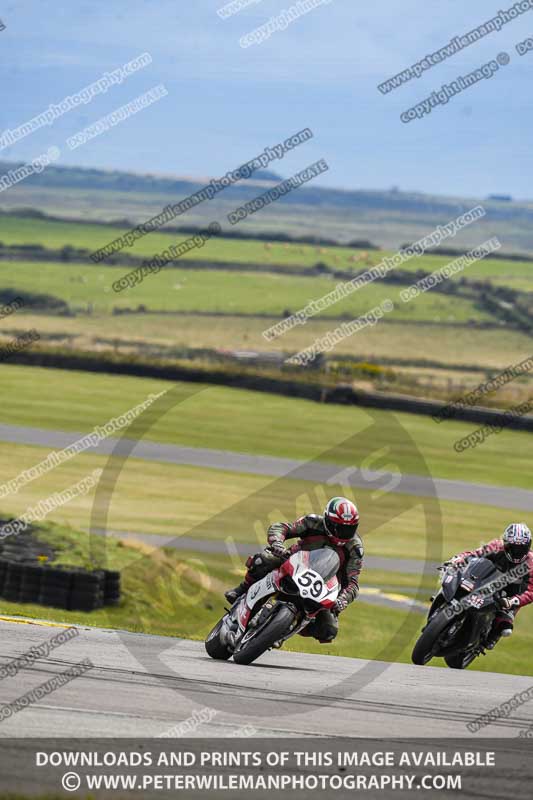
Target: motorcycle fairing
(298, 567)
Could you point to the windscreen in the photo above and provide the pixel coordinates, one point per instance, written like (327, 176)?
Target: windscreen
(325, 561)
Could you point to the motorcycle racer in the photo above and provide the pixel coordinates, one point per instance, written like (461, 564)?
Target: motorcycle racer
(336, 528)
(507, 553)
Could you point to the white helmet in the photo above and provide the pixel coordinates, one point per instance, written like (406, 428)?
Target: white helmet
(517, 542)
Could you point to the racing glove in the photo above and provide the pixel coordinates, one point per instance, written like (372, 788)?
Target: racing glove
(456, 562)
(279, 550)
(340, 605)
(509, 602)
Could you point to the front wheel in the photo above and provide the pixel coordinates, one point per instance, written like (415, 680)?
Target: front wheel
(427, 644)
(459, 660)
(215, 648)
(277, 627)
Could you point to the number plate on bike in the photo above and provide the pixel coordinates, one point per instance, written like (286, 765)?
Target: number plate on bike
(311, 584)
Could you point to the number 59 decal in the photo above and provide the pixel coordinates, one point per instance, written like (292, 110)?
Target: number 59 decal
(311, 584)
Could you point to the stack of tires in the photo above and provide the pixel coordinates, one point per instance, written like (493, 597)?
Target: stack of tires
(24, 547)
(55, 587)
(111, 587)
(13, 581)
(87, 593)
(72, 588)
(31, 583)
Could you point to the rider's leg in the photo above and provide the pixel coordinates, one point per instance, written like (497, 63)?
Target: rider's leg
(257, 567)
(324, 627)
(502, 626)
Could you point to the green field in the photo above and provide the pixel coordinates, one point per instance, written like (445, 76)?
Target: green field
(51, 234)
(215, 291)
(230, 309)
(255, 422)
(210, 504)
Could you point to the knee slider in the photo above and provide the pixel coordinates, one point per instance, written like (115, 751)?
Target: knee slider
(328, 633)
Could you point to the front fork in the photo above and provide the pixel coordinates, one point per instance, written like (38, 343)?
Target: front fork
(234, 633)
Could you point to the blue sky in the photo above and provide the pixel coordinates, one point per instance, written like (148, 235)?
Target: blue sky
(226, 103)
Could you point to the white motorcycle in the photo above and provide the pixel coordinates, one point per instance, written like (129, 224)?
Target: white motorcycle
(278, 606)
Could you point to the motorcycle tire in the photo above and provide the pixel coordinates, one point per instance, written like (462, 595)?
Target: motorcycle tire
(276, 628)
(459, 660)
(214, 646)
(423, 649)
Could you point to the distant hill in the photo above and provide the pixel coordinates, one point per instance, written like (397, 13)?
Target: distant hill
(387, 218)
(114, 180)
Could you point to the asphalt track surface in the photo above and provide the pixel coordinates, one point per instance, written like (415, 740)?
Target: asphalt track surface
(145, 686)
(420, 486)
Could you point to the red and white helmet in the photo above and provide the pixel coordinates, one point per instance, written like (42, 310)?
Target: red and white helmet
(341, 520)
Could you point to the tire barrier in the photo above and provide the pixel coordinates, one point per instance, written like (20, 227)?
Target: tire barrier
(24, 580)
(24, 547)
(71, 588)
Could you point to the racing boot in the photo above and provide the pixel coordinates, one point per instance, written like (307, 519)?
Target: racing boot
(494, 637)
(233, 594)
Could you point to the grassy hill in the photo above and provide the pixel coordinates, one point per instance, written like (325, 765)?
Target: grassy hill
(387, 218)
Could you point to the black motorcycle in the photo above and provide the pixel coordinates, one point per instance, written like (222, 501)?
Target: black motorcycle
(462, 614)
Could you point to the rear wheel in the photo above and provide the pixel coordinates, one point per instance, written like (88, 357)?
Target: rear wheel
(214, 647)
(427, 644)
(277, 627)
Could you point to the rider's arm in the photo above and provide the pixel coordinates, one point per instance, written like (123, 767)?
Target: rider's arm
(280, 531)
(492, 547)
(277, 533)
(353, 567)
(526, 597)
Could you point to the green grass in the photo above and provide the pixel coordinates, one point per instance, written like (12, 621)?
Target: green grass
(403, 334)
(20, 230)
(260, 423)
(54, 235)
(215, 291)
(208, 504)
